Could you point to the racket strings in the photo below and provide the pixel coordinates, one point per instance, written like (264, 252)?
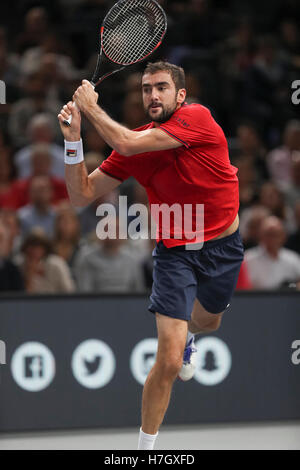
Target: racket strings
(132, 45)
(132, 30)
(130, 39)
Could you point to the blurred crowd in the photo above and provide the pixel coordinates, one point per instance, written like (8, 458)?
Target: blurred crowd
(240, 59)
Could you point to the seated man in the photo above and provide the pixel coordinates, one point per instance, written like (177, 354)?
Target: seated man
(269, 264)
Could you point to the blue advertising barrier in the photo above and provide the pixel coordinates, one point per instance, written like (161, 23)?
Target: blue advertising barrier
(80, 361)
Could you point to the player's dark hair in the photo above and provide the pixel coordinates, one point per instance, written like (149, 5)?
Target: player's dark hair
(177, 73)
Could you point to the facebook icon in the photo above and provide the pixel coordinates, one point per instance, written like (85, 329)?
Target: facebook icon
(33, 366)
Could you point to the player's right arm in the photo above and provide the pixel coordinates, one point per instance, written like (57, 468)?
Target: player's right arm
(82, 188)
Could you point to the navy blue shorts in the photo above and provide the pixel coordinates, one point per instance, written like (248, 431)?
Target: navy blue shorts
(209, 274)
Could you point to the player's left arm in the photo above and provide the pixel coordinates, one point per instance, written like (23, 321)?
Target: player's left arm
(121, 139)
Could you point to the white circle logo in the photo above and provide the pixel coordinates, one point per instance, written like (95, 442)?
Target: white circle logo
(93, 363)
(142, 359)
(214, 361)
(33, 366)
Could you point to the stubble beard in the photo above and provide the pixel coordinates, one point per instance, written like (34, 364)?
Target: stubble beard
(166, 113)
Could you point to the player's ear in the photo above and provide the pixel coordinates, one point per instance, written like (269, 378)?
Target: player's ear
(181, 95)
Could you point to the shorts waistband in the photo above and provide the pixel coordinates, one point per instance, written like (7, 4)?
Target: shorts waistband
(207, 244)
(220, 241)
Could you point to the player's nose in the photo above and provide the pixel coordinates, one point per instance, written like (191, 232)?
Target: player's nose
(154, 95)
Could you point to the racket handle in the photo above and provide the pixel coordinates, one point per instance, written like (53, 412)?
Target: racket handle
(67, 122)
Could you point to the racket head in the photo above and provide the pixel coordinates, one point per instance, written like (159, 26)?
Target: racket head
(132, 30)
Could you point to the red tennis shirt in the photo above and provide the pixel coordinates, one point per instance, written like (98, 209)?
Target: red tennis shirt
(197, 173)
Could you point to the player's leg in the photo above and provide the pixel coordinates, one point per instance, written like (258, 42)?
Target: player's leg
(218, 264)
(202, 321)
(173, 293)
(157, 389)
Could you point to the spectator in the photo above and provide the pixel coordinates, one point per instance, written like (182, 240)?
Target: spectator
(94, 142)
(293, 241)
(269, 265)
(290, 40)
(280, 159)
(249, 145)
(36, 101)
(43, 271)
(250, 223)
(260, 91)
(60, 74)
(9, 71)
(10, 275)
(7, 198)
(237, 52)
(272, 198)
(88, 215)
(270, 201)
(193, 87)
(201, 24)
(35, 27)
(8, 217)
(133, 82)
(41, 166)
(249, 142)
(248, 186)
(292, 191)
(49, 47)
(39, 212)
(40, 130)
(66, 234)
(235, 56)
(108, 266)
(133, 110)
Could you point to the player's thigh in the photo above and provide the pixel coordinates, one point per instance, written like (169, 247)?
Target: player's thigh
(171, 338)
(204, 319)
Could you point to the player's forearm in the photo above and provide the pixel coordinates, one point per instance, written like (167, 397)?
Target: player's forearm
(115, 135)
(80, 187)
(78, 184)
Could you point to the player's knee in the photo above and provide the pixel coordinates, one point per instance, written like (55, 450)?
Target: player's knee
(170, 366)
(208, 325)
(214, 324)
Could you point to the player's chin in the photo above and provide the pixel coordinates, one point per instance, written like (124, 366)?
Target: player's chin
(158, 116)
(155, 113)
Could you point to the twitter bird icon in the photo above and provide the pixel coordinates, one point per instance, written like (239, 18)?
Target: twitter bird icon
(93, 363)
(92, 366)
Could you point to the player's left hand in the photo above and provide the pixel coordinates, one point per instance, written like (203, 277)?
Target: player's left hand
(85, 96)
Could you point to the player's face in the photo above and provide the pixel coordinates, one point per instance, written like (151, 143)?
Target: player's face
(160, 97)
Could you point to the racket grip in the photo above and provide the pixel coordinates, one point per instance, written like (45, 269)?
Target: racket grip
(67, 122)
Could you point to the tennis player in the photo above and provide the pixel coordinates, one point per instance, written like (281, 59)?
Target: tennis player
(180, 157)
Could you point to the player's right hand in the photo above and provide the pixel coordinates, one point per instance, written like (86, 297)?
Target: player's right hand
(72, 132)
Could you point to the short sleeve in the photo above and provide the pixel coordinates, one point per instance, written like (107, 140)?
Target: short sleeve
(114, 166)
(193, 126)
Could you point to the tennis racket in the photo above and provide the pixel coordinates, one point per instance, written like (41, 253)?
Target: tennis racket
(130, 32)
